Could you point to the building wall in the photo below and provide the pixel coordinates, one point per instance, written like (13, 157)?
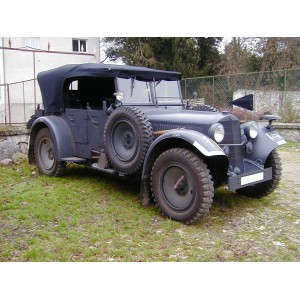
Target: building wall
(23, 65)
(23, 58)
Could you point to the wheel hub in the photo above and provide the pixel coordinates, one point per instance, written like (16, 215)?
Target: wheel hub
(177, 186)
(47, 154)
(128, 140)
(181, 186)
(50, 154)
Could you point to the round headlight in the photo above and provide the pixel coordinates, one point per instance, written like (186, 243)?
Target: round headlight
(251, 130)
(217, 132)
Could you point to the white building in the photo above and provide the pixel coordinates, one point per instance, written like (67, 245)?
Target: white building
(22, 58)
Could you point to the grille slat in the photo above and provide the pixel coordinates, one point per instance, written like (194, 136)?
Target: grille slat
(162, 126)
(233, 136)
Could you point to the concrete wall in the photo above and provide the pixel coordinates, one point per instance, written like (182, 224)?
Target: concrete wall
(274, 102)
(13, 141)
(291, 132)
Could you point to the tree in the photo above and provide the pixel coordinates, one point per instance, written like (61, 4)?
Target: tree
(209, 55)
(236, 57)
(188, 55)
(278, 53)
(243, 55)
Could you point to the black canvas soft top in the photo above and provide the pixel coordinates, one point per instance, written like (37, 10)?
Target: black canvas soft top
(52, 81)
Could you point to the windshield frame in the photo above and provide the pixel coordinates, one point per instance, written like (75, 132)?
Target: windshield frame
(156, 97)
(152, 92)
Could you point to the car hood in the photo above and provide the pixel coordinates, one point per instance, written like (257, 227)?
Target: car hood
(165, 119)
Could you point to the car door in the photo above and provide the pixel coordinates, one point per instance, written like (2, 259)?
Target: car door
(96, 122)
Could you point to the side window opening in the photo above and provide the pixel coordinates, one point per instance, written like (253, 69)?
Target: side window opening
(89, 92)
(72, 96)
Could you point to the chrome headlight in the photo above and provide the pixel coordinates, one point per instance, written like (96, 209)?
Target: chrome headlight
(251, 130)
(217, 132)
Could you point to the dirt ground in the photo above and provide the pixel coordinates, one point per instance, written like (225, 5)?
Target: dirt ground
(291, 169)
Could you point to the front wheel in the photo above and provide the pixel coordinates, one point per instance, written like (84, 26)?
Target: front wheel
(263, 189)
(181, 185)
(45, 154)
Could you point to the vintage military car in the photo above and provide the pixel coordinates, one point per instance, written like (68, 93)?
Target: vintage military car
(128, 120)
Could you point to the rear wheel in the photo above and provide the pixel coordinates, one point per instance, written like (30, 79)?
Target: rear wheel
(45, 154)
(181, 185)
(265, 188)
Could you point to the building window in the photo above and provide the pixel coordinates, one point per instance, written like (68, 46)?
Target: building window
(79, 45)
(32, 42)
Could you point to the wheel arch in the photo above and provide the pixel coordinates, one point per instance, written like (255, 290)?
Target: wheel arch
(197, 142)
(61, 134)
(266, 141)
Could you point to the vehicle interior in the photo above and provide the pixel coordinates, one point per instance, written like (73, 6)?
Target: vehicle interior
(89, 93)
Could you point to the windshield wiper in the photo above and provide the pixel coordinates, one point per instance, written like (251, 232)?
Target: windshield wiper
(132, 86)
(157, 83)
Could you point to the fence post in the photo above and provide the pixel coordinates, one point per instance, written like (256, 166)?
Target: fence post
(213, 91)
(8, 103)
(34, 79)
(24, 104)
(284, 86)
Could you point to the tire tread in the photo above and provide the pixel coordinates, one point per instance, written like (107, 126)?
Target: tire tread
(202, 170)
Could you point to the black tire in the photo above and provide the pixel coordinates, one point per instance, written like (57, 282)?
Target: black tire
(45, 154)
(263, 189)
(181, 185)
(127, 136)
(204, 108)
(30, 122)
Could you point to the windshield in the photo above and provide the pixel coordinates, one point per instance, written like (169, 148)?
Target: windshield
(167, 92)
(135, 91)
(145, 92)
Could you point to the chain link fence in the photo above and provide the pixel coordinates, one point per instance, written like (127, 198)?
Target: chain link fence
(275, 92)
(18, 102)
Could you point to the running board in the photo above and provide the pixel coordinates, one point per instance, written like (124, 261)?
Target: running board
(98, 168)
(74, 159)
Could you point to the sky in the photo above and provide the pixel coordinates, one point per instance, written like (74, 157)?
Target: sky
(155, 18)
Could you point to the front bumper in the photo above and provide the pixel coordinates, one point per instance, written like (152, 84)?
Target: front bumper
(240, 181)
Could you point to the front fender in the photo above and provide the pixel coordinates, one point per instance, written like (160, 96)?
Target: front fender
(61, 134)
(266, 141)
(190, 139)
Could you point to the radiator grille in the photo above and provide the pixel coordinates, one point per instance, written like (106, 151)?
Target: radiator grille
(233, 136)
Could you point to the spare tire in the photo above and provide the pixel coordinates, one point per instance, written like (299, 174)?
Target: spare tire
(127, 136)
(204, 107)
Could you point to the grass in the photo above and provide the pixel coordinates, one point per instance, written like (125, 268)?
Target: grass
(88, 216)
(294, 145)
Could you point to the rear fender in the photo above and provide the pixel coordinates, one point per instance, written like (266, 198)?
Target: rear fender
(61, 134)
